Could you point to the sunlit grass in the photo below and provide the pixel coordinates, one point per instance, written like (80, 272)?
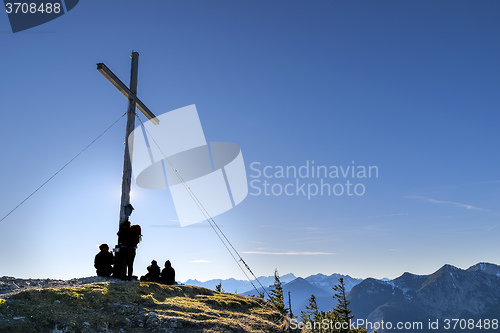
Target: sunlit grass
(128, 305)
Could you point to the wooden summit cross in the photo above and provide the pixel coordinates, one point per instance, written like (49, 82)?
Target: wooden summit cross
(134, 101)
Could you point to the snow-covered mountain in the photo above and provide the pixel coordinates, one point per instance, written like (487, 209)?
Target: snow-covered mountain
(319, 285)
(449, 293)
(327, 282)
(485, 267)
(300, 289)
(240, 286)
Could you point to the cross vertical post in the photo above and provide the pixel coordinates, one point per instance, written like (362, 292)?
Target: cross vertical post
(134, 101)
(127, 163)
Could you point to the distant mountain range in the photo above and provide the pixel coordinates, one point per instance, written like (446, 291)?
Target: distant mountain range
(300, 289)
(449, 293)
(240, 286)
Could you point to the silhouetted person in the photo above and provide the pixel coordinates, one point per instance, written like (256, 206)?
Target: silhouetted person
(103, 261)
(153, 272)
(168, 274)
(127, 242)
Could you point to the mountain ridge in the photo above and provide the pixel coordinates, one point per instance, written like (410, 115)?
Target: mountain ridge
(408, 291)
(448, 293)
(241, 286)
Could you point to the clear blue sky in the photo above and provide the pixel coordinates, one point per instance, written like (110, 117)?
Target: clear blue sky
(408, 86)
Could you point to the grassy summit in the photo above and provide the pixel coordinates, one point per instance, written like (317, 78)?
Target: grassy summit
(136, 307)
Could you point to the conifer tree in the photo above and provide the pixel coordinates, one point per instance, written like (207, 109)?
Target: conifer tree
(342, 308)
(276, 294)
(218, 287)
(311, 310)
(313, 318)
(290, 306)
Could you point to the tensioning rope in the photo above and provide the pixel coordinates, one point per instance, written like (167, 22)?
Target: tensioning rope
(61, 169)
(208, 217)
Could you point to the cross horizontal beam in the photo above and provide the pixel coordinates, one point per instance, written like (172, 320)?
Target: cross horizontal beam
(108, 74)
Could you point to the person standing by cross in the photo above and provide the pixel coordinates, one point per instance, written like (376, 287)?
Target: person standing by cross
(128, 238)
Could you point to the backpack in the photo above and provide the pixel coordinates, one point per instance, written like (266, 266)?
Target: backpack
(135, 235)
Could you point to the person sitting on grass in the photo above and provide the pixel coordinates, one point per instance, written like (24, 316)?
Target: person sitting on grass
(153, 274)
(168, 274)
(103, 261)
